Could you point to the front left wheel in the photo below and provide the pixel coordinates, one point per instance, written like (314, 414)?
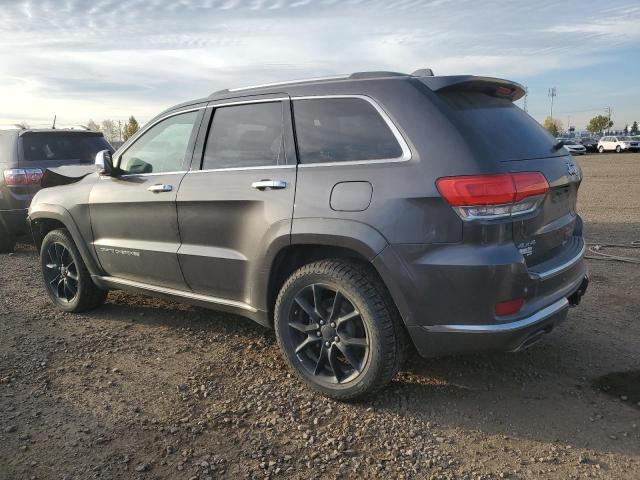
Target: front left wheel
(339, 330)
(65, 275)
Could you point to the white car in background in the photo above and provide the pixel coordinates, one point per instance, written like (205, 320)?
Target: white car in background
(574, 147)
(611, 143)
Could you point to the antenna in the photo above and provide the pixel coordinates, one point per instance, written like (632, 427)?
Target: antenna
(54, 122)
(526, 93)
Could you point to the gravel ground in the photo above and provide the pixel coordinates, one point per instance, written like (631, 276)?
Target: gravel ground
(143, 388)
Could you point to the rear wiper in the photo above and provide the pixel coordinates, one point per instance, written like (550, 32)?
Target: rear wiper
(557, 146)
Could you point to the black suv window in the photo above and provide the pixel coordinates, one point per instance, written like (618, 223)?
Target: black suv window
(342, 130)
(59, 146)
(162, 148)
(245, 136)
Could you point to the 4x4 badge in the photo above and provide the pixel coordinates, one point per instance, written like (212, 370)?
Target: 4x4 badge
(571, 168)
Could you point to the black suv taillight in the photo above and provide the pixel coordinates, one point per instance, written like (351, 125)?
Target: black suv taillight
(22, 176)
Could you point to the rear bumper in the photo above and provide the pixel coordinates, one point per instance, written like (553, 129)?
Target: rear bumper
(512, 336)
(447, 294)
(14, 221)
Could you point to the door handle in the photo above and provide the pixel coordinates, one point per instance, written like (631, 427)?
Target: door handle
(161, 187)
(269, 185)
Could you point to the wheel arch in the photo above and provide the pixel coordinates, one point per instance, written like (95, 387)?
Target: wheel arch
(319, 239)
(51, 217)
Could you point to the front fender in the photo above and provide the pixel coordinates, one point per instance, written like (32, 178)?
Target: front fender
(39, 213)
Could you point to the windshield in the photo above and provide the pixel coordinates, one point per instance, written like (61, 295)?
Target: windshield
(74, 147)
(498, 128)
(569, 142)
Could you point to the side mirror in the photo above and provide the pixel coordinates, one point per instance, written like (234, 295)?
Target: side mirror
(104, 163)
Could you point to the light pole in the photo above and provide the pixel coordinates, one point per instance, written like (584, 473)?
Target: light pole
(552, 94)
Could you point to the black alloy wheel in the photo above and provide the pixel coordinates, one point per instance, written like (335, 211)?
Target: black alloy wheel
(328, 335)
(61, 273)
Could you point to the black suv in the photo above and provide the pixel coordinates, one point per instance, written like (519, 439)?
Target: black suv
(24, 155)
(356, 215)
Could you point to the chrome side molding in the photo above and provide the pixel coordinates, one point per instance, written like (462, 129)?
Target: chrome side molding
(116, 282)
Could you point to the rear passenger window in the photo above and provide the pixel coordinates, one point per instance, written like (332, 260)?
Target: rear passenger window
(342, 130)
(245, 136)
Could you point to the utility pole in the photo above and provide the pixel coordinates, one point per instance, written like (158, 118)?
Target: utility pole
(608, 109)
(120, 130)
(552, 94)
(526, 94)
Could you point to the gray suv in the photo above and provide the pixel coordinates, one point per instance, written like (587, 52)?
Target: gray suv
(24, 156)
(358, 216)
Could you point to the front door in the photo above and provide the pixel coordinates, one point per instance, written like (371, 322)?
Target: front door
(133, 215)
(238, 199)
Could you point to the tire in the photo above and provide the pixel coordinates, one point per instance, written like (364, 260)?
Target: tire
(618, 149)
(363, 349)
(66, 278)
(7, 241)
(601, 149)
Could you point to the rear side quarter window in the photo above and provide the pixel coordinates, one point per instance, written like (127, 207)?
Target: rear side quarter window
(342, 130)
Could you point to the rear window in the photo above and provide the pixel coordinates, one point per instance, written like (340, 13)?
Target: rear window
(342, 130)
(71, 147)
(498, 128)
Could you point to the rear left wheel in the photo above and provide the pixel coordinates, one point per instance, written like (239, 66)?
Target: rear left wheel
(65, 275)
(338, 329)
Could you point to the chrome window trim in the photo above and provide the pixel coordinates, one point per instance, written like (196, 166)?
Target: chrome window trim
(129, 175)
(404, 146)
(236, 169)
(289, 82)
(177, 293)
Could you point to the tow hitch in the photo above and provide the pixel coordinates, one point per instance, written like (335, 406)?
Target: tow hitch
(574, 299)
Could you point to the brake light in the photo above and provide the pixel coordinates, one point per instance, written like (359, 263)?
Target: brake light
(22, 176)
(494, 196)
(509, 307)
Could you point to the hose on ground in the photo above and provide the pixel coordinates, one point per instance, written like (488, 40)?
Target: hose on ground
(595, 251)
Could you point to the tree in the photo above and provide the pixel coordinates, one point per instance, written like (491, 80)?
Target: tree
(110, 130)
(553, 126)
(598, 123)
(634, 128)
(130, 128)
(93, 126)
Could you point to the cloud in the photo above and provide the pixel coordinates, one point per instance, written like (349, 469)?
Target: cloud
(112, 58)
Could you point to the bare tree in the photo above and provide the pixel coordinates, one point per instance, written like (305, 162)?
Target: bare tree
(110, 130)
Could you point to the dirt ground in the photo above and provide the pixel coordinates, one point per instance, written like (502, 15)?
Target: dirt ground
(143, 388)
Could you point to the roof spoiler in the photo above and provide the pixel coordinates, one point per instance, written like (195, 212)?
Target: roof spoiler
(496, 87)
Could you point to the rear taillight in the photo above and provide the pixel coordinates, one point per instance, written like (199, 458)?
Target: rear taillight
(22, 176)
(491, 197)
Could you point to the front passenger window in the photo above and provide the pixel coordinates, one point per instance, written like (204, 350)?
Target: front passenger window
(162, 148)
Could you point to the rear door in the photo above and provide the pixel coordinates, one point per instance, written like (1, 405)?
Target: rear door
(133, 216)
(237, 201)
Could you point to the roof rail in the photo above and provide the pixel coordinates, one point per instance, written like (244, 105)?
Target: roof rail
(425, 72)
(381, 74)
(288, 82)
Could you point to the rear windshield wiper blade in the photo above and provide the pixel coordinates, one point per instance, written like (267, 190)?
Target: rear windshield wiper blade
(557, 146)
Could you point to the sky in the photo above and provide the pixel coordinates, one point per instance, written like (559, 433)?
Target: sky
(82, 59)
